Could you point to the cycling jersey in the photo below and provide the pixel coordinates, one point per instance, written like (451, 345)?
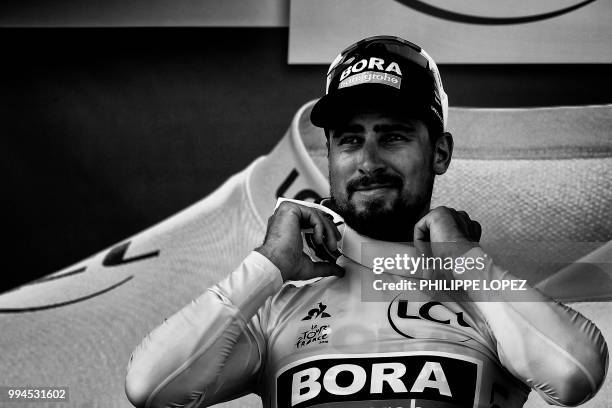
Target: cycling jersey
(318, 343)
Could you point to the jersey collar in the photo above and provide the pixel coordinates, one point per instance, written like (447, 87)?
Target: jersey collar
(359, 248)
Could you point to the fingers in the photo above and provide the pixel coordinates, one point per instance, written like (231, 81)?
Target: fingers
(477, 231)
(309, 218)
(467, 227)
(473, 228)
(325, 232)
(332, 234)
(333, 226)
(421, 229)
(319, 229)
(461, 218)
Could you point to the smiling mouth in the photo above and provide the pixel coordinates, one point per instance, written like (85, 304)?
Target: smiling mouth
(375, 190)
(374, 187)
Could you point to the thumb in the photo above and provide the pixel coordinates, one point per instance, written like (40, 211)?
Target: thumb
(327, 269)
(421, 236)
(421, 230)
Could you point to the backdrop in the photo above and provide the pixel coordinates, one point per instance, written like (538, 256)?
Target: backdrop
(108, 131)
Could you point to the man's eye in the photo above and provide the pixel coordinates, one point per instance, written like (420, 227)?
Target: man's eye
(394, 137)
(349, 140)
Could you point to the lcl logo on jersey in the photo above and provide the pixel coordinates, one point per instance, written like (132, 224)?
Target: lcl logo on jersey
(439, 378)
(429, 320)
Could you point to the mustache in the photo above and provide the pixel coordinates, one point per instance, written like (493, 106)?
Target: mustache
(367, 180)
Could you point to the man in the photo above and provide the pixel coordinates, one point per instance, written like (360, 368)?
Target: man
(303, 333)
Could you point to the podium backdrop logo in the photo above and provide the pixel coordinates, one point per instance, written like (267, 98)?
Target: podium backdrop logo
(453, 12)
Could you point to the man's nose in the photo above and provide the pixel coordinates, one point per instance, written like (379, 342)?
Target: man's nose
(370, 160)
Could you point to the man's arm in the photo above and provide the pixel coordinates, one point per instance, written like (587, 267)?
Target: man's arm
(209, 352)
(547, 345)
(212, 349)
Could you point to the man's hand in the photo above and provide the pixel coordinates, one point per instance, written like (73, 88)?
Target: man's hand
(283, 242)
(453, 229)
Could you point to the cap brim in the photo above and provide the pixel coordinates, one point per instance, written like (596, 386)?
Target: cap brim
(334, 108)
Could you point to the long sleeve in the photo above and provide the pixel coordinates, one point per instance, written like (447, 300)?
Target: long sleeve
(212, 349)
(549, 346)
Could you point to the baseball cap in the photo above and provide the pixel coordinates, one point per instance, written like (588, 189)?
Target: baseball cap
(382, 71)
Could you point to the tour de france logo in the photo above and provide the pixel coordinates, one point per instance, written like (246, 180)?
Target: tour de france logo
(317, 332)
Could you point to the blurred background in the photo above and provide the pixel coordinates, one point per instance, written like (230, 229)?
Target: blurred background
(116, 115)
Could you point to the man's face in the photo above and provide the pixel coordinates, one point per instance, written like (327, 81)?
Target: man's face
(380, 171)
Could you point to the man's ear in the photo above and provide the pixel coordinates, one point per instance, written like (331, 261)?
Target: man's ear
(443, 152)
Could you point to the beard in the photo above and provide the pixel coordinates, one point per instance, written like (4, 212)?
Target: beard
(381, 219)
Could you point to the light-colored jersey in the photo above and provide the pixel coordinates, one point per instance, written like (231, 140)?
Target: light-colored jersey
(324, 343)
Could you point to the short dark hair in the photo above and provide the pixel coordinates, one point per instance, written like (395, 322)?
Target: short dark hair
(435, 130)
